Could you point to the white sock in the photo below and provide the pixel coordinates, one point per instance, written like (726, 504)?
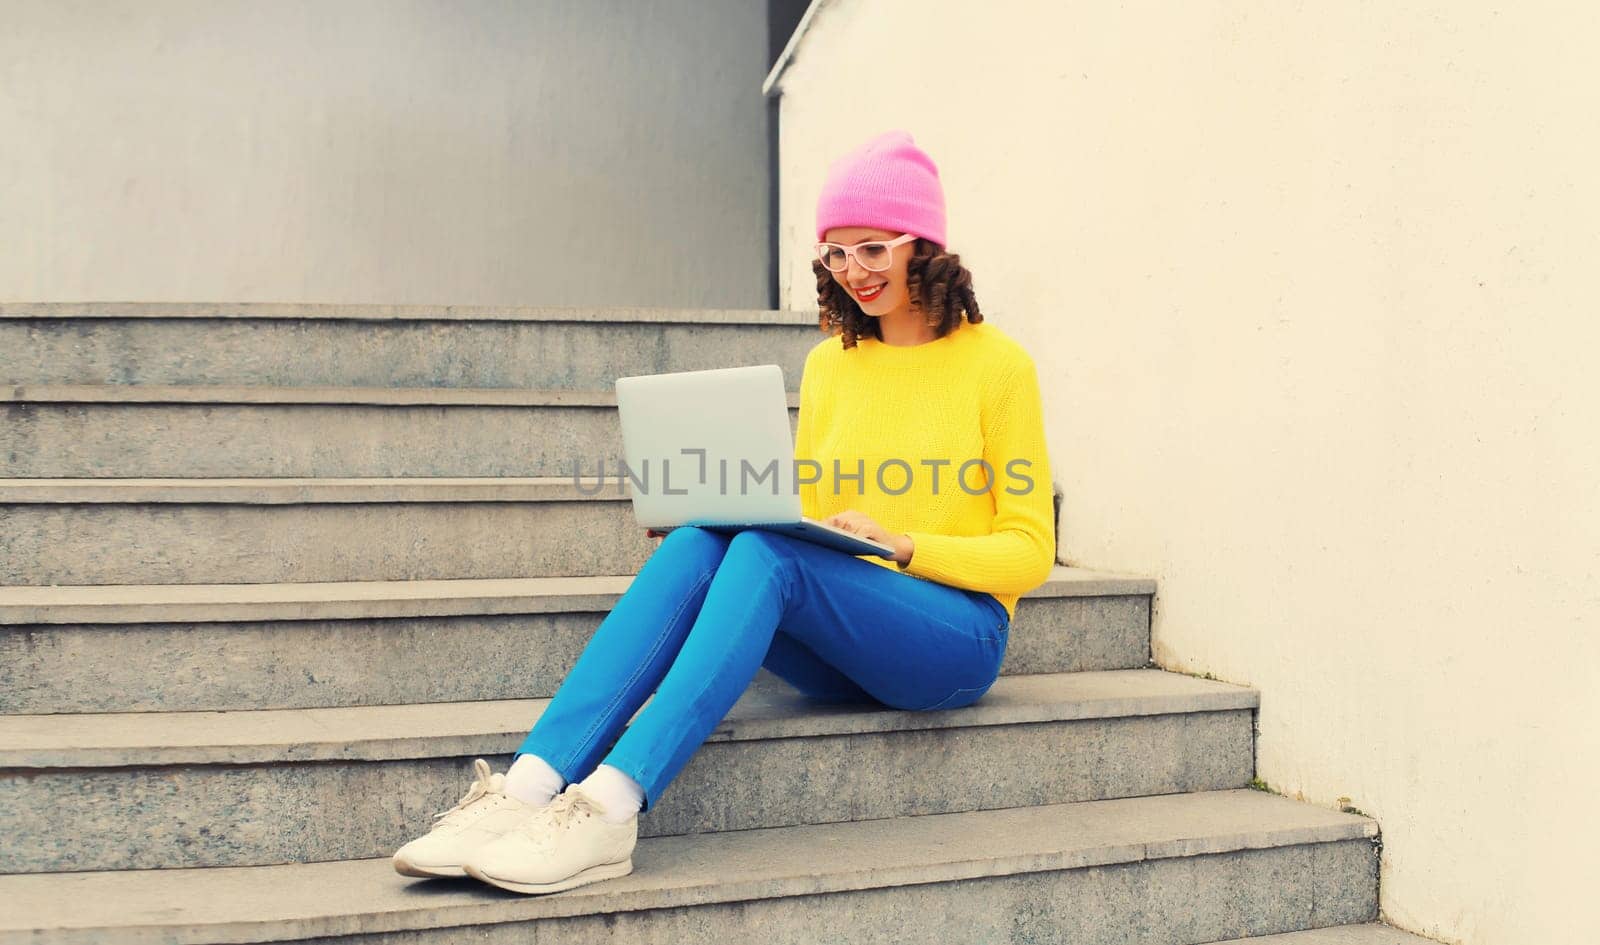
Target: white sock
(621, 795)
(532, 780)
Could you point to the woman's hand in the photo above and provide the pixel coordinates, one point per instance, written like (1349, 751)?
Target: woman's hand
(860, 523)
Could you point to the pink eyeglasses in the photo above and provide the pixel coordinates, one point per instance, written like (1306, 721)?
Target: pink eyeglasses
(874, 255)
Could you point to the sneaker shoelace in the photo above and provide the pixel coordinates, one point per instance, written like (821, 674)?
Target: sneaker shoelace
(479, 789)
(561, 812)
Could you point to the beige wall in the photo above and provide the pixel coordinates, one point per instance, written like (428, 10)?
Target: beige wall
(1313, 291)
(394, 151)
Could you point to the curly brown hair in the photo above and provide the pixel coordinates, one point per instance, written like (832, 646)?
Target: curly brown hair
(940, 287)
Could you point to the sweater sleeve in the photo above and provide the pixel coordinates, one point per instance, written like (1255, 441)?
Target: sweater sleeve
(1020, 550)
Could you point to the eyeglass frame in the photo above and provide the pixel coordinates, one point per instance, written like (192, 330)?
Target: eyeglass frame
(850, 252)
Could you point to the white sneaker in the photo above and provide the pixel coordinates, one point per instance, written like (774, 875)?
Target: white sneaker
(481, 816)
(558, 847)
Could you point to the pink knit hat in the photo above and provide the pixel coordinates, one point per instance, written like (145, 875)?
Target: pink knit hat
(888, 183)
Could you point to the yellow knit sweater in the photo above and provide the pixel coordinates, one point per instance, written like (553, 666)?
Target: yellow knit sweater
(882, 419)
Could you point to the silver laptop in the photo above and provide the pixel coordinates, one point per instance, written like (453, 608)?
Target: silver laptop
(714, 449)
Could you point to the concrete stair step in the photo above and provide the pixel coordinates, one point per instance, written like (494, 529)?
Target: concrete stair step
(178, 647)
(135, 791)
(199, 531)
(270, 530)
(1178, 868)
(275, 345)
(140, 431)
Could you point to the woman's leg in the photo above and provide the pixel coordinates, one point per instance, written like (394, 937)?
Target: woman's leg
(800, 666)
(628, 655)
(909, 643)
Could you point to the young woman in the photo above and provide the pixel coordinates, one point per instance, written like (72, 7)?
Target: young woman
(927, 426)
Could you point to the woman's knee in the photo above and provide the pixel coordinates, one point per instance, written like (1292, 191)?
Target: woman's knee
(754, 540)
(690, 544)
(760, 548)
(695, 537)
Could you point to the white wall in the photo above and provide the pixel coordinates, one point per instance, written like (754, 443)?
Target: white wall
(389, 151)
(1313, 291)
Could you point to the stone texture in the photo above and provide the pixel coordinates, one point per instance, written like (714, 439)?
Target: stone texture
(172, 603)
(338, 600)
(1159, 902)
(1173, 868)
(382, 312)
(211, 663)
(215, 789)
(148, 543)
(769, 708)
(382, 346)
(164, 436)
(153, 667)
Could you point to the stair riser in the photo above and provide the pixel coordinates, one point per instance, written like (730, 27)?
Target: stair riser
(170, 667)
(292, 352)
(1170, 900)
(238, 815)
(191, 441)
(254, 544)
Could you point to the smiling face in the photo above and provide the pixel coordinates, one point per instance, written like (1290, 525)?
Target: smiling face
(893, 291)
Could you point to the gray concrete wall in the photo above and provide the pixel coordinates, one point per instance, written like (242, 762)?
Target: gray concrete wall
(603, 152)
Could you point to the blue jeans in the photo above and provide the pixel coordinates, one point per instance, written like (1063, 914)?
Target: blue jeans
(708, 610)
